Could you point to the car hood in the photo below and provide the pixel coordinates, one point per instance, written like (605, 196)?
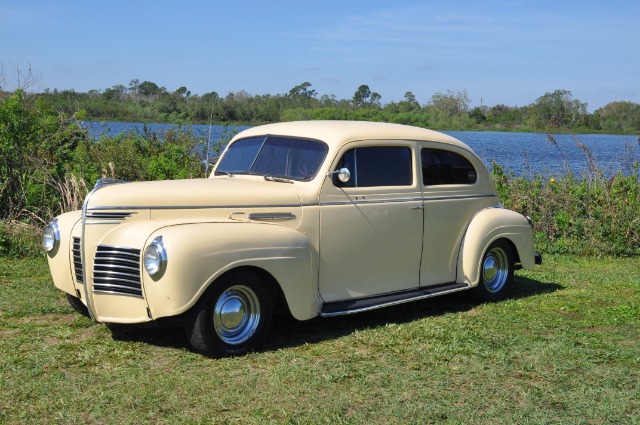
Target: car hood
(201, 193)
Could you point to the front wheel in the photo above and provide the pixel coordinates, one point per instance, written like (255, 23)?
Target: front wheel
(496, 272)
(77, 305)
(232, 317)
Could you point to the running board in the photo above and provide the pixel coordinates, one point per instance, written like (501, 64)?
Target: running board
(339, 308)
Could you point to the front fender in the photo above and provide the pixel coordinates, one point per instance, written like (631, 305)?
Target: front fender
(486, 227)
(61, 259)
(199, 253)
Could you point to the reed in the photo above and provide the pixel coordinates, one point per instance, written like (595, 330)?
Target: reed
(587, 214)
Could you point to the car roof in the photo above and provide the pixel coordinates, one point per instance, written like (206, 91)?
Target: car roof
(336, 133)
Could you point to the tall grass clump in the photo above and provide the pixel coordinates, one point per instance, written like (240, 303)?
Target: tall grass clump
(587, 214)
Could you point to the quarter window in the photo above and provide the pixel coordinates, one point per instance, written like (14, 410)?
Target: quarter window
(446, 167)
(377, 166)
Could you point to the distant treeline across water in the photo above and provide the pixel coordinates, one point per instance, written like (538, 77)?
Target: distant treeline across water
(520, 153)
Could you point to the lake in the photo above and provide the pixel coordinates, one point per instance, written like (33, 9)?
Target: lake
(520, 153)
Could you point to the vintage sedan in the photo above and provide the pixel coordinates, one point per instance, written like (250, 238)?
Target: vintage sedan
(321, 218)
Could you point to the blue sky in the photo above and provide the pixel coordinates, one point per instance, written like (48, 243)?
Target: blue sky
(500, 51)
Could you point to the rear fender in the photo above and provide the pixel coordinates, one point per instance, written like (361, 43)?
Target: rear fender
(486, 227)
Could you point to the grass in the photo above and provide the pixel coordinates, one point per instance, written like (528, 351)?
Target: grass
(565, 348)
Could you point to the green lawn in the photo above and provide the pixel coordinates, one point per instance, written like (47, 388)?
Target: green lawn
(564, 349)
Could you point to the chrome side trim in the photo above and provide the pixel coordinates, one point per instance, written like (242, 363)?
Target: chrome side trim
(201, 207)
(237, 213)
(271, 216)
(444, 198)
(103, 222)
(388, 201)
(196, 207)
(376, 201)
(428, 294)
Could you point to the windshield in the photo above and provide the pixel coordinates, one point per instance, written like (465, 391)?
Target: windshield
(274, 156)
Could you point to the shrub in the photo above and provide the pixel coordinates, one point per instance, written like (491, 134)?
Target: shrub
(590, 214)
(36, 148)
(135, 157)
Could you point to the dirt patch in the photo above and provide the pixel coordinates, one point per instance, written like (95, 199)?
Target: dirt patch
(49, 318)
(597, 329)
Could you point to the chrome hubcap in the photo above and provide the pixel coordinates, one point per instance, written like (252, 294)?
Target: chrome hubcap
(495, 269)
(236, 315)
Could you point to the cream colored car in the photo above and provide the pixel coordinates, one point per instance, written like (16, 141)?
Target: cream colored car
(323, 218)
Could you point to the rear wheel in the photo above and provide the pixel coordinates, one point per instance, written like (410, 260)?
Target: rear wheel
(496, 272)
(232, 317)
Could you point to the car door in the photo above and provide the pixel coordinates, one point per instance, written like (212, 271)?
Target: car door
(371, 226)
(455, 187)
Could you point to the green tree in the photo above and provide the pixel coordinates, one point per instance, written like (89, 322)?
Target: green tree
(450, 103)
(409, 103)
(134, 86)
(620, 117)
(477, 114)
(147, 88)
(559, 109)
(183, 92)
(115, 92)
(365, 98)
(302, 91)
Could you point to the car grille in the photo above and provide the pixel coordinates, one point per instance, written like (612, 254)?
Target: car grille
(116, 270)
(77, 260)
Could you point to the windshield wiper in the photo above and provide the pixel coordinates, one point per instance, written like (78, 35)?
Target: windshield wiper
(277, 179)
(226, 173)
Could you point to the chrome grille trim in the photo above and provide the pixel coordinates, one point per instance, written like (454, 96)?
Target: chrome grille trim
(108, 217)
(116, 270)
(77, 260)
(111, 215)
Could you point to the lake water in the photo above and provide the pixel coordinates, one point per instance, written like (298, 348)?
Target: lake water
(520, 153)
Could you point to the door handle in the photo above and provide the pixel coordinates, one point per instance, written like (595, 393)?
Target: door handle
(418, 207)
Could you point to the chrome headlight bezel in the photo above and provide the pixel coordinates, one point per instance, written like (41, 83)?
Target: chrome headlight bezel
(154, 258)
(51, 237)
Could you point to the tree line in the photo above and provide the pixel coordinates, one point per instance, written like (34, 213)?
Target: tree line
(451, 110)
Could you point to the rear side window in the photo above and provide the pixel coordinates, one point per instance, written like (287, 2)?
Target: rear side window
(446, 167)
(377, 166)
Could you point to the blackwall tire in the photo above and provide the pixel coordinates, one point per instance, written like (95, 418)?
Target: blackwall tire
(496, 272)
(77, 305)
(232, 317)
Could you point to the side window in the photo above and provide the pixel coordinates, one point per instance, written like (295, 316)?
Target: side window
(377, 166)
(445, 167)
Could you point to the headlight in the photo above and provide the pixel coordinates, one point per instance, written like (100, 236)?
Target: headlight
(155, 257)
(51, 236)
